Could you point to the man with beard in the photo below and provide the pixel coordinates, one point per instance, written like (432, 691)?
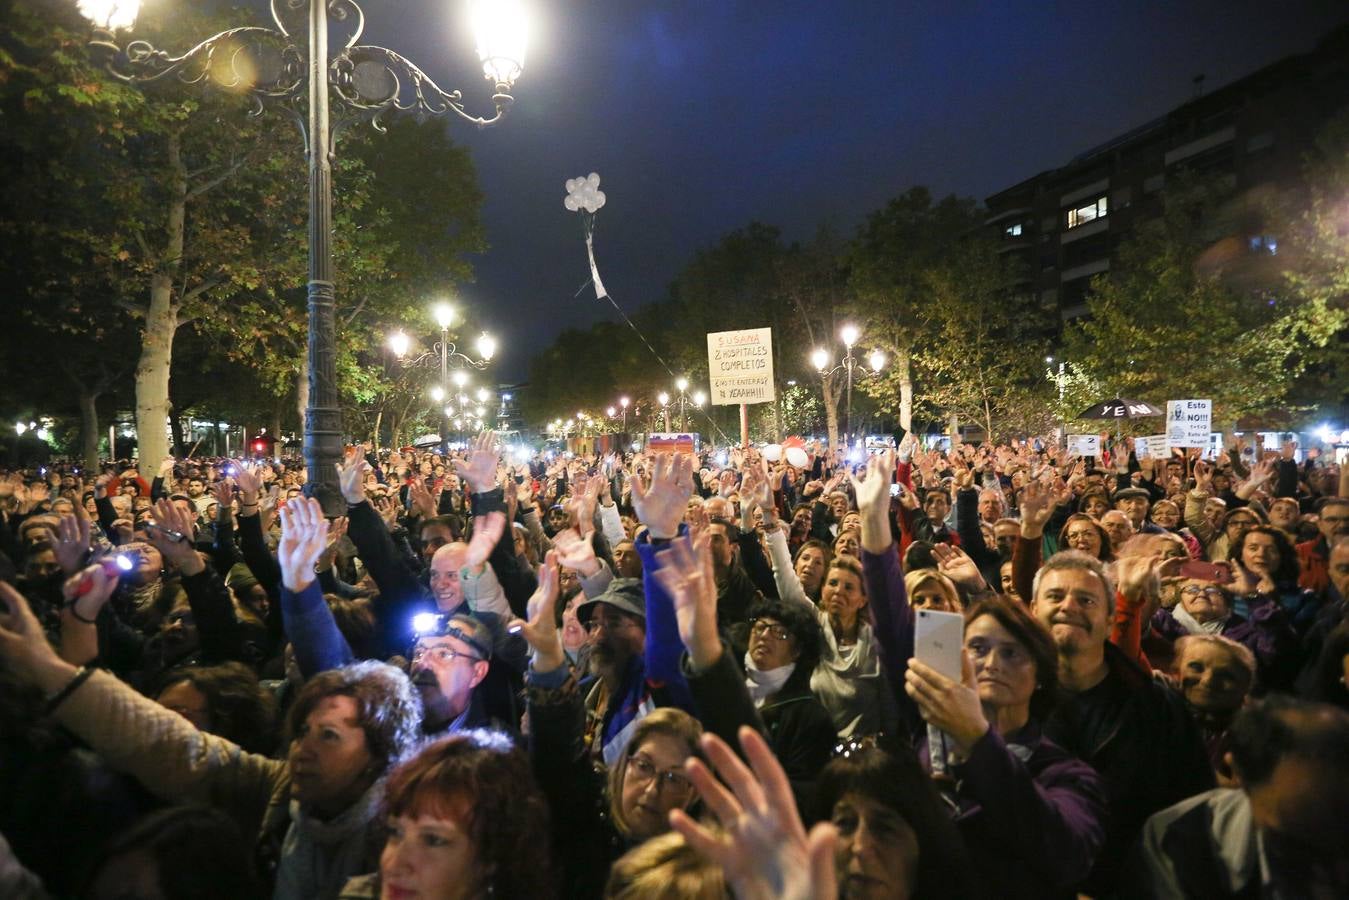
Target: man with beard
(1134, 731)
(618, 690)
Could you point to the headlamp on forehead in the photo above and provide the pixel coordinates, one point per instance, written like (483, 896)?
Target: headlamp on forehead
(471, 631)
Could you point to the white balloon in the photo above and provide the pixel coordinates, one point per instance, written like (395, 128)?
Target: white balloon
(599, 200)
(570, 203)
(571, 185)
(593, 179)
(797, 457)
(773, 452)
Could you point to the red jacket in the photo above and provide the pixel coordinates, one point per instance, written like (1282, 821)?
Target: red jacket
(1315, 559)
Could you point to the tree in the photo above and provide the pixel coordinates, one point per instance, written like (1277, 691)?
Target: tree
(890, 257)
(1165, 324)
(981, 361)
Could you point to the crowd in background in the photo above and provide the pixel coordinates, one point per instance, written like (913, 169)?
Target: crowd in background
(677, 676)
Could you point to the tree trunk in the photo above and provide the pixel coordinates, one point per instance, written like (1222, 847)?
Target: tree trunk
(988, 423)
(176, 429)
(904, 369)
(161, 320)
(379, 418)
(831, 410)
(953, 424)
(89, 432)
(276, 431)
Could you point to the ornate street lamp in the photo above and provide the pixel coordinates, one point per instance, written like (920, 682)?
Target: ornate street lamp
(447, 354)
(289, 68)
(820, 359)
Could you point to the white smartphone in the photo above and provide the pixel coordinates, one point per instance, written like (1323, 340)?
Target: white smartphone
(938, 639)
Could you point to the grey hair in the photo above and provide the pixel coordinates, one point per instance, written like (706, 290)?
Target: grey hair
(1076, 560)
(1240, 652)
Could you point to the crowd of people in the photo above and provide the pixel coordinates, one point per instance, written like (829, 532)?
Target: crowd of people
(677, 676)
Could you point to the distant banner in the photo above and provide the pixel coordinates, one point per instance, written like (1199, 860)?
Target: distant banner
(663, 442)
(1084, 445)
(740, 366)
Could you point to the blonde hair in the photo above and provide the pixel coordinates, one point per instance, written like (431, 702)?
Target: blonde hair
(665, 868)
(915, 580)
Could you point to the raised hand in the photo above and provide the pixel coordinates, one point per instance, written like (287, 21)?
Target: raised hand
(686, 574)
(72, 543)
(25, 648)
(171, 534)
(337, 529)
(304, 538)
(956, 565)
(487, 530)
(250, 485)
(763, 848)
(87, 590)
(351, 476)
(662, 498)
(1036, 510)
(419, 496)
(952, 706)
(1203, 477)
(1139, 577)
(540, 630)
(223, 492)
(479, 471)
(576, 552)
(873, 502)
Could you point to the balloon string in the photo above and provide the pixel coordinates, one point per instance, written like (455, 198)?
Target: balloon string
(588, 221)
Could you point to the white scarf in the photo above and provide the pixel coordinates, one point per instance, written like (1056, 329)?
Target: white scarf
(1194, 626)
(763, 684)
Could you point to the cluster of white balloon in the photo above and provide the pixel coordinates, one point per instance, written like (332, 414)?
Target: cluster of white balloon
(584, 194)
(796, 457)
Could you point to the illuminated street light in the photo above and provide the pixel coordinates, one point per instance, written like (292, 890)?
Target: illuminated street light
(849, 335)
(487, 346)
(819, 358)
(444, 315)
(460, 378)
(437, 393)
(399, 343)
(483, 394)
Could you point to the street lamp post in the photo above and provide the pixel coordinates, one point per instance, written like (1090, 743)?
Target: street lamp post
(291, 73)
(820, 359)
(682, 385)
(623, 402)
(664, 400)
(445, 352)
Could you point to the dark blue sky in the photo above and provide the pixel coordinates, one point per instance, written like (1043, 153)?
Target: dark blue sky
(703, 116)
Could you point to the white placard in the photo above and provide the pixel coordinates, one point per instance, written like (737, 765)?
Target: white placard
(1188, 423)
(740, 366)
(1084, 445)
(1151, 447)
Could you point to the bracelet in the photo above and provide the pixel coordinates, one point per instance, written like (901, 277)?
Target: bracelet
(70, 608)
(81, 676)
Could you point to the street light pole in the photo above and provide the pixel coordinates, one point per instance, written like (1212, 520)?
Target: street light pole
(369, 82)
(445, 389)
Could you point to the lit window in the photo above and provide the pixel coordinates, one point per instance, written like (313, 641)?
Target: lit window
(1013, 230)
(1081, 215)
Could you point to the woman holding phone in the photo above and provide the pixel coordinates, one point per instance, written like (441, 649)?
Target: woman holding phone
(1031, 814)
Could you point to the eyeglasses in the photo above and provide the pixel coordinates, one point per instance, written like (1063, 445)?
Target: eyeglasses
(759, 628)
(608, 623)
(1239, 522)
(441, 655)
(643, 771)
(1212, 593)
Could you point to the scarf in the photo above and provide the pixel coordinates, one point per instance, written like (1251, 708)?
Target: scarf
(763, 684)
(318, 857)
(1194, 626)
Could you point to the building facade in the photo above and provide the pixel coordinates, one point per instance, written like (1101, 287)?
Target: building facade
(1064, 225)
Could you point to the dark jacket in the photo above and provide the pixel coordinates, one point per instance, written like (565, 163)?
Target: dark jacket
(798, 728)
(1137, 733)
(1032, 814)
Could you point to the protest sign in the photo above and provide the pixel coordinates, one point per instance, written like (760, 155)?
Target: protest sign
(1084, 445)
(740, 366)
(1188, 423)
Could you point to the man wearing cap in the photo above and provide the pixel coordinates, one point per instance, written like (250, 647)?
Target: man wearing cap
(1134, 503)
(448, 661)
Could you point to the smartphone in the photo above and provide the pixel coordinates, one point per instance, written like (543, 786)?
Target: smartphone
(1205, 571)
(938, 639)
(896, 489)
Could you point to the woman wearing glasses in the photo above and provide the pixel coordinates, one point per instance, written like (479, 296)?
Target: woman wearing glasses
(1196, 606)
(600, 813)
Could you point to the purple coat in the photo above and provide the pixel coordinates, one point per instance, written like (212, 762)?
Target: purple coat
(1267, 633)
(1032, 815)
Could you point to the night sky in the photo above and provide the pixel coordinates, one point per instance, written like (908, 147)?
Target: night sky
(703, 116)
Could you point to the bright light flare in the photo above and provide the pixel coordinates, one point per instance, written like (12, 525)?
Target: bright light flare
(443, 314)
(487, 346)
(819, 358)
(501, 30)
(110, 14)
(399, 343)
(849, 334)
